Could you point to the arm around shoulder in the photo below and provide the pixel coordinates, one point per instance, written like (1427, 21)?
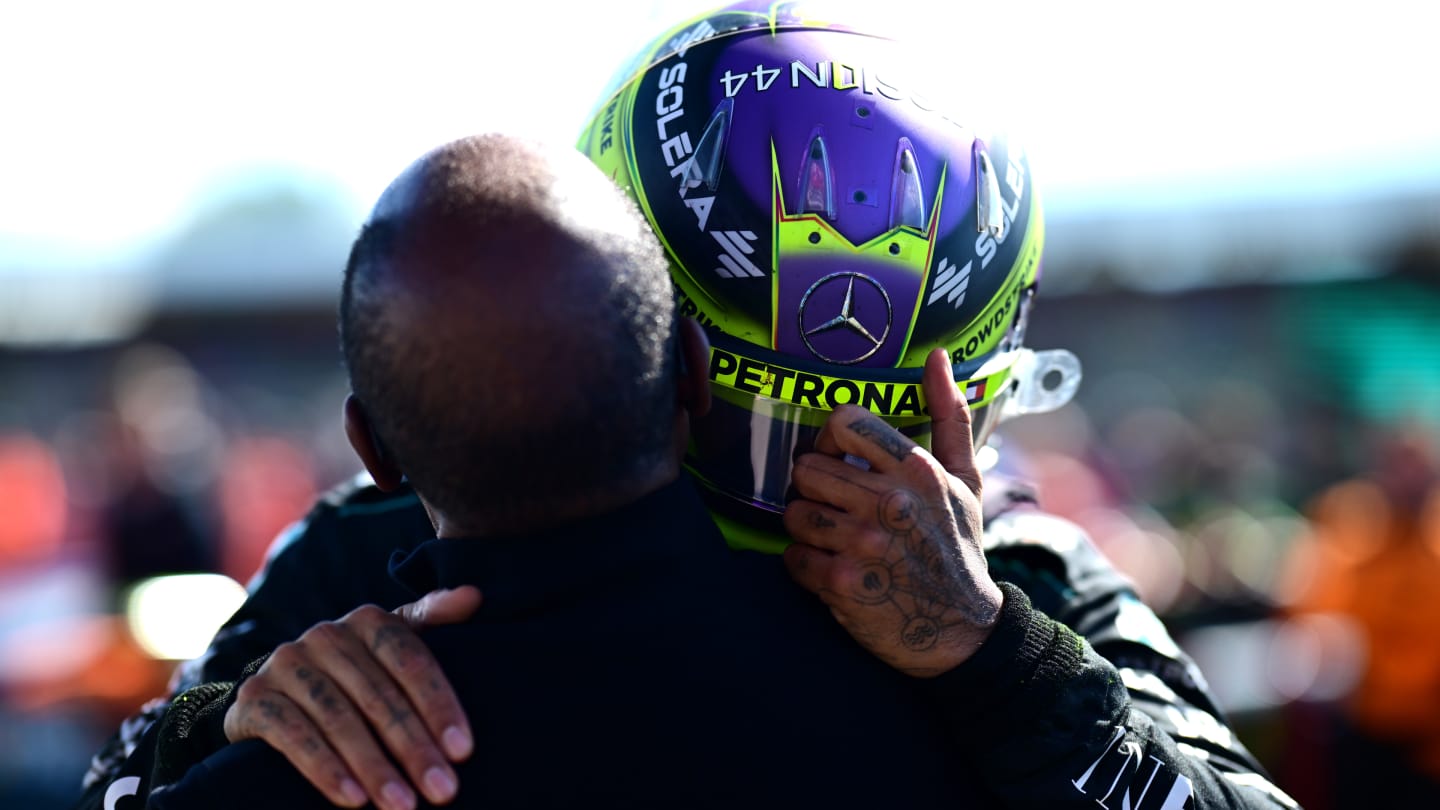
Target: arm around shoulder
(1054, 725)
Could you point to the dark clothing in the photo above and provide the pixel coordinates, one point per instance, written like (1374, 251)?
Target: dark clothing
(323, 567)
(1037, 718)
(635, 661)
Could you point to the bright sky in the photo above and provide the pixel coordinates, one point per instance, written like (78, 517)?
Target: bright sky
(117, 115)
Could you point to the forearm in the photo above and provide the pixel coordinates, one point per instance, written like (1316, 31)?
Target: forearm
(1051, 724)
(191, 730)
(182, 734)
(179, 734)
(131, 752)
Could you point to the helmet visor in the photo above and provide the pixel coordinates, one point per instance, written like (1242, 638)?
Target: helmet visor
(768, 408)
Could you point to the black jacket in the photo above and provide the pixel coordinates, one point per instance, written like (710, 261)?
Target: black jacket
(1038, 718)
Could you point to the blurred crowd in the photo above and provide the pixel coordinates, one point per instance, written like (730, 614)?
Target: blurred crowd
(1288, 531)
(121, 468)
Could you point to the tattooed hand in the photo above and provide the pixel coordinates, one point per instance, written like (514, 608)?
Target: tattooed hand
(894, 551)
(330, 699)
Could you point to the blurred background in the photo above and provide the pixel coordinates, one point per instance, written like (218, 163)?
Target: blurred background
(1244, 251)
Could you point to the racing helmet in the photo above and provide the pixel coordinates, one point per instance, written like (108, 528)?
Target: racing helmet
(830, 225)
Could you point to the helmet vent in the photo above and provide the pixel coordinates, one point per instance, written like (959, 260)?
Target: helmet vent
(864, 116)
(989, 213)
(817, 186)
(704, 166)
(907, 198)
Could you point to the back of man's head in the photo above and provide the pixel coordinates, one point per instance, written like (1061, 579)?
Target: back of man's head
(507, 322)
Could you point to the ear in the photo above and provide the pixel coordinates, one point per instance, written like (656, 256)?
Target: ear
(381, 467)
(693, 379)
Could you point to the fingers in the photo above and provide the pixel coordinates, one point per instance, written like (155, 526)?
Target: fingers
(841, 582)
(351, 690)
(951, 440)
(860, 433)
(441, 607)
(271, 716)
(838, 483)
(430, 690)
(819, 525)
(391, 676)
(325, 740)
(347, 692)
(810, 567)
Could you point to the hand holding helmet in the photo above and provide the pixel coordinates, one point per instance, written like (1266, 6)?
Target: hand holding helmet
(895, 550)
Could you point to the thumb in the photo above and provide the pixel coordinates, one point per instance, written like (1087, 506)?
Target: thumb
(951, 442)
(441, 607)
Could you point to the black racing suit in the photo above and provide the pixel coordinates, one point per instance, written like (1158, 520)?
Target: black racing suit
(1120, 717)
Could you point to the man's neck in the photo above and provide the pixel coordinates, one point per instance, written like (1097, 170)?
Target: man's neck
(543, 516)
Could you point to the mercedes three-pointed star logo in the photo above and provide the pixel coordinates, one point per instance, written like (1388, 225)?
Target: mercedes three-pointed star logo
(847, 319)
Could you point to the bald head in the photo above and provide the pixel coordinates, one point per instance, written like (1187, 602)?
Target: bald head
(507, 323)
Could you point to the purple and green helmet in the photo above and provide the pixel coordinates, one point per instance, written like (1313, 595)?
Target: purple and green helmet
(830, 225)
